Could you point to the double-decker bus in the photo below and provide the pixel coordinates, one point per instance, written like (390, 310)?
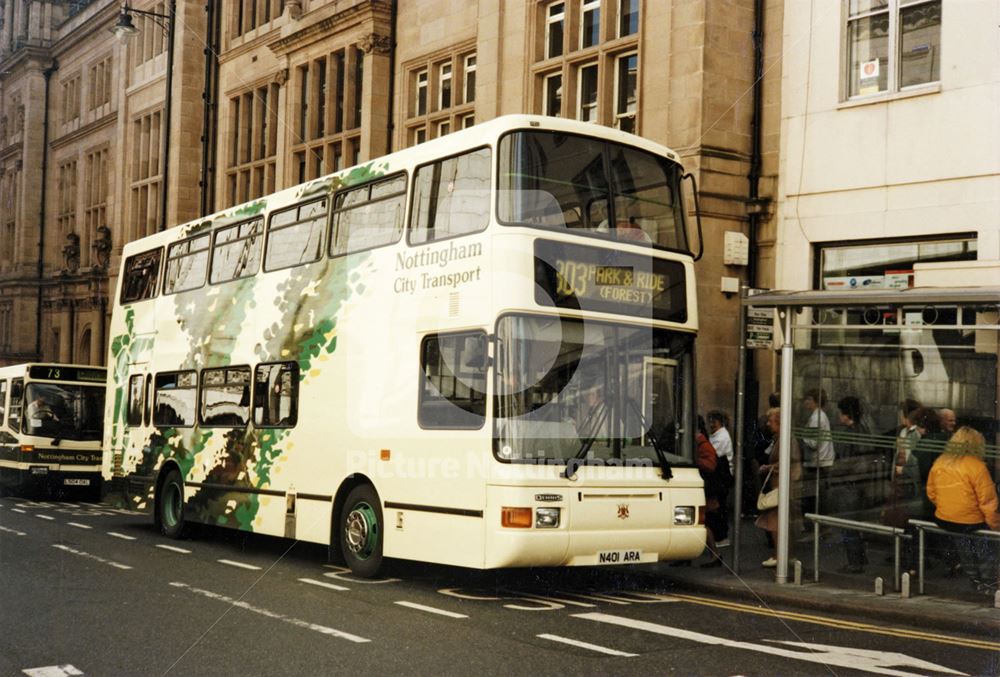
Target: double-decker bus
(477, 351)
(52, 427)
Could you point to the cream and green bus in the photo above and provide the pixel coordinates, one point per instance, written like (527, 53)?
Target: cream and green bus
(51, 428)
(476, 352)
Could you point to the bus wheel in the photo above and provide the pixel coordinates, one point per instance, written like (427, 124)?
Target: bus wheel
(361, 531)
(170, 505)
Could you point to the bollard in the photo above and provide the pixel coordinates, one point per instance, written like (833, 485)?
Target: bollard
(905, 586)
(879, 586)
(798, 572)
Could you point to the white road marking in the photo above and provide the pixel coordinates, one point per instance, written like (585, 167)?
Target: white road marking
(46, 517)
(23, 512)
(557, 600)
(81, 553)
(173, 548)
(240, 565)
(432, 610)
(121, 536)
(78, 525)
(53, 671)
(322, 629)
(875, 662)
(587, 645)
(321, 584)
(12, 531)
(594, 596)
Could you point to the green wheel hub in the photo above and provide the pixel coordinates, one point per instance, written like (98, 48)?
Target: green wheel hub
(361, 531)
(172, 504)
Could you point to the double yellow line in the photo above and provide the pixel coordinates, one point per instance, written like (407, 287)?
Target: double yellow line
(841, 624)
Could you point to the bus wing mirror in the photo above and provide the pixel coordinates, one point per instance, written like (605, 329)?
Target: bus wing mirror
(697, 213)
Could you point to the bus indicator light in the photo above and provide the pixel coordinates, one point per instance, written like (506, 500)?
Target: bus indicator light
(385, 454)
(27, 448)
(515, 518)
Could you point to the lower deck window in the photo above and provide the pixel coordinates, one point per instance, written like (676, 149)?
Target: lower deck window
(176, 395)
(276, 395)
(225, 397)
(453, 391)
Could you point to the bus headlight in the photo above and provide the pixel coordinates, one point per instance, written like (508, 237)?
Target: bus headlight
(546, 518)
(684, 515)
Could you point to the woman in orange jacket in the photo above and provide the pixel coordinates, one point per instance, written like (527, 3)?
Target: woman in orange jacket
(965, 500)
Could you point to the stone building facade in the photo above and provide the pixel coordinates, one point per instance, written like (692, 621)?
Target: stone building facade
(268, 93)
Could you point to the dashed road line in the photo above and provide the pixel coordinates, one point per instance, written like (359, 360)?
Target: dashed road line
(78, 525)
(315, 627)
(7, 530)
(238, 565)
(587, 645)
(321, 584)
(121, 536)
(173, 548)
(87, 555)
(23, 512)
(46, 517)
(431, 610)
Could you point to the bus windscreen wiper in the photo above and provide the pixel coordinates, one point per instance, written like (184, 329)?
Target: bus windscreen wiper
(572, 463)
(665, 469)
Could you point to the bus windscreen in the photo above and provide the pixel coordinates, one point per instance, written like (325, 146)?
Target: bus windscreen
(64, 411)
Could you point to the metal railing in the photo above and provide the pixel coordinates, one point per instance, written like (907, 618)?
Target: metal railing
(897, 534)
(923, 526)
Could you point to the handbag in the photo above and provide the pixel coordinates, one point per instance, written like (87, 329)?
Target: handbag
(767, 500)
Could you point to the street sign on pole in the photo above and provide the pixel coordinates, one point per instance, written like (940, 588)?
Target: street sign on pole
(759, 327)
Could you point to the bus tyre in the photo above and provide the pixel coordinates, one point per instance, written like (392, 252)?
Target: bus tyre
(170, 505)
(361, 531)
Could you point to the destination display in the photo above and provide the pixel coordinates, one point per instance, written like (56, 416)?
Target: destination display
(51, 372)
(609, 281)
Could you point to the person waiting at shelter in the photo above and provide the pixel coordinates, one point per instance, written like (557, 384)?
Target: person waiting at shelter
(723, 443)
(707, 461)
(818, 452)
(965, 498)
(846, 492)
(768, 519)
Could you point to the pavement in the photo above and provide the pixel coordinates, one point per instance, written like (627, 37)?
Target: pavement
(949, 604)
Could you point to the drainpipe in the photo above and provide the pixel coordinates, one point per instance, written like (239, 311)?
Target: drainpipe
(391, 127)
(41, 209)
(754, 213)
(168, 111)
(209, 98)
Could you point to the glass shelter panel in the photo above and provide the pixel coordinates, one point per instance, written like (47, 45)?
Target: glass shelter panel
(876, 412)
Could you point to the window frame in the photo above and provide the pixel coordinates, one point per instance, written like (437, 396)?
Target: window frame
(140, 379)
(293, 367)
(546, 101)
(589, 7)
(411, 199)
(446, 82)
(216, 246)
(469, 66)
(596, 105)
(156, 398)
(422, 380)
(189, 254)
(619, 24)
(618, 114)
(153, 288)
(421, 92)
(550, 20)
(200, 413)
(894, 57)
(334, 211)
(269, 231)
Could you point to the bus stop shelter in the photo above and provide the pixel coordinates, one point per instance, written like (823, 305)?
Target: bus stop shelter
(934, 347)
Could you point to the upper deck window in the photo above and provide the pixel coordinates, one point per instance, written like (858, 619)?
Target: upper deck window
(295, 235)
(236, 252)
(187, 264)
(141, 273)
(451, 197)
(555, 180)
(368, 216)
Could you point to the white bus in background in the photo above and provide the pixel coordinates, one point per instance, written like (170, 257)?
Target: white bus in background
(476, 352)
(51, 428)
